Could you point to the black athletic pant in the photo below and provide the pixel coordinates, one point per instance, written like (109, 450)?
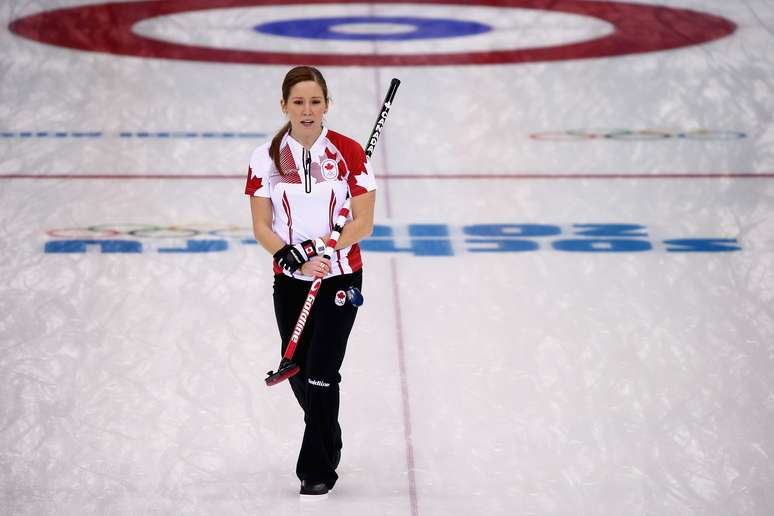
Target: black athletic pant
(320, 353)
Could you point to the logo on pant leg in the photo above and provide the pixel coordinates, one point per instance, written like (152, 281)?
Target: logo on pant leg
(318, 383)
(341, 298)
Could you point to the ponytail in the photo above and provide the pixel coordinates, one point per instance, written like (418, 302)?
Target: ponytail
(274, 148)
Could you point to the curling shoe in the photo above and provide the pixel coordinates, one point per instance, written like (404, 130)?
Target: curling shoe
(314, 490)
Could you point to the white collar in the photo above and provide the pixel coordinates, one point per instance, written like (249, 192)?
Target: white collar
(295, 145)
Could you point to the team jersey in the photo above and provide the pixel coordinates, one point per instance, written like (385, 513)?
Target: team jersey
(305, 206)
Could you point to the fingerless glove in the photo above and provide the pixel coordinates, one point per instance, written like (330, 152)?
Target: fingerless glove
(292, 256)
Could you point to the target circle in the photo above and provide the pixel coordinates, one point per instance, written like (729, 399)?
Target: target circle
(336, 28)
(638, 28)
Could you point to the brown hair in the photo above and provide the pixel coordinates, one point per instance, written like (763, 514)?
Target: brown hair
(293, 77)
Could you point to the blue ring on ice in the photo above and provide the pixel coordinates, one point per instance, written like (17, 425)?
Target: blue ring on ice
(323, 28)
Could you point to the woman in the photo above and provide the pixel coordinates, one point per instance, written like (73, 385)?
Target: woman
(297, 184)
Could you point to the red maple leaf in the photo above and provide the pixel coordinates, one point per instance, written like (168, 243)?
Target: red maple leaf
(254, 183)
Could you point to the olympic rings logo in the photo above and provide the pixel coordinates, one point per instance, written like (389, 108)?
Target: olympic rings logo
(638, 135)
(416, 239)
(152, 231)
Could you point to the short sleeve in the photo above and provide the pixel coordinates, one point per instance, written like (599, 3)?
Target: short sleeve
(361, 176)
(258, 172)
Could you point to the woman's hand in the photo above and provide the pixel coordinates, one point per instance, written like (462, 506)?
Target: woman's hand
(316, 267)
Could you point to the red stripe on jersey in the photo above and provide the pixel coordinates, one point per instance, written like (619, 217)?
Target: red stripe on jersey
(289, 173)
(354, 258)
(331, 208)
(287, 163)
(286, 206)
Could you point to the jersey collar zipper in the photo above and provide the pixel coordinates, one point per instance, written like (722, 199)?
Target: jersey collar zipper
(306, 159)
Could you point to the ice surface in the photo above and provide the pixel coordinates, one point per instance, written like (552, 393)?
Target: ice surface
(617, 361)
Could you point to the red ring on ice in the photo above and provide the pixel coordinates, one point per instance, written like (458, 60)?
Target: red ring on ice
(108, 28)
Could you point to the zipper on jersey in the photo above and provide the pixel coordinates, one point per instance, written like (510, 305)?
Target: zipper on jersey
(306, 159)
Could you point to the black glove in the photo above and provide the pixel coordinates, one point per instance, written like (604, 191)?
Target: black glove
(293, 256)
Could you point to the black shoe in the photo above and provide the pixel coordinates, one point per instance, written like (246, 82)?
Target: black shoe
(314, 489)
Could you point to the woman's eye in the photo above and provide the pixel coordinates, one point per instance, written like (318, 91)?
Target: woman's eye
(297, 102)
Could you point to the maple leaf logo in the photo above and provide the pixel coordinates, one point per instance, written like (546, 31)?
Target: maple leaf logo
(253, 182)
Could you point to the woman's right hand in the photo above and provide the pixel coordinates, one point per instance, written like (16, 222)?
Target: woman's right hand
(316, 267)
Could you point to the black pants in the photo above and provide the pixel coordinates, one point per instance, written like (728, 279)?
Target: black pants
(320, 353)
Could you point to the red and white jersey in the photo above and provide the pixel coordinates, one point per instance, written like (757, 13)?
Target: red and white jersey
(338, 166)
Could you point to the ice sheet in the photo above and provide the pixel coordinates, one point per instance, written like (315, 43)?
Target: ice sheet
(568, 293)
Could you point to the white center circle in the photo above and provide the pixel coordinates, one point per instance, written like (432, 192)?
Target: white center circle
(373, 28)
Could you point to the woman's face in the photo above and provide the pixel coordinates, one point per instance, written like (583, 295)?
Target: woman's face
(305, 108)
